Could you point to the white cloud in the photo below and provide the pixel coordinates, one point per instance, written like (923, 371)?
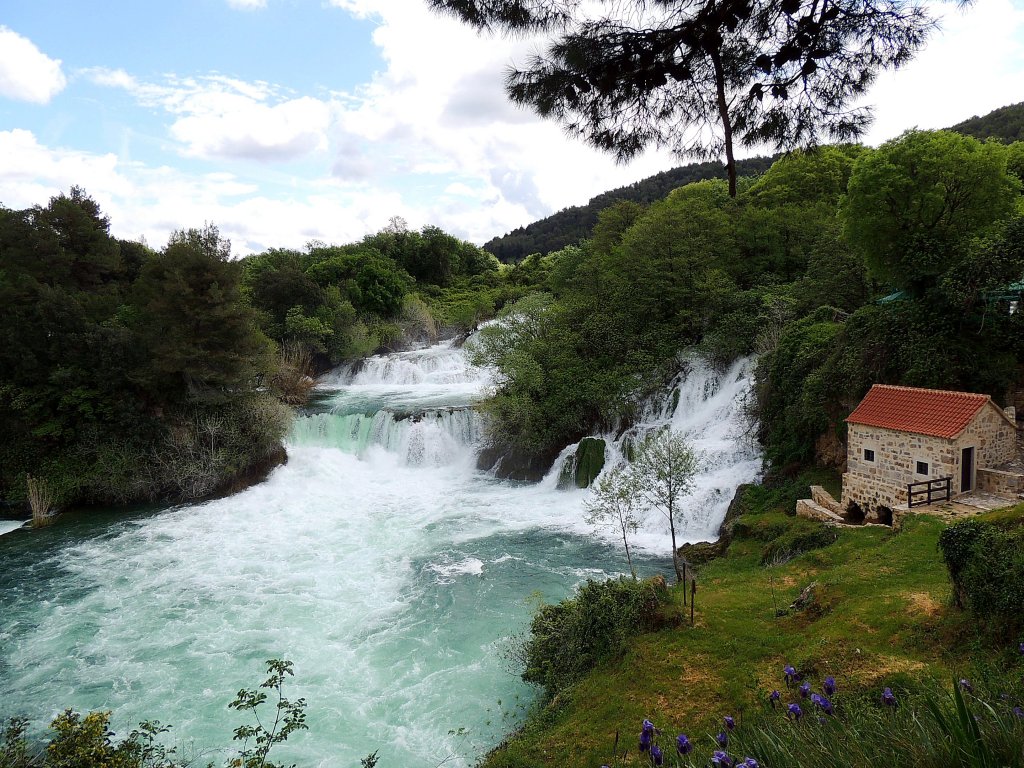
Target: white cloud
(152, 202)
(223, 117)
(971, 66)
(26, 73)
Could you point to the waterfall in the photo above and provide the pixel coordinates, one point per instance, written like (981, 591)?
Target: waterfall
(416, 405)
(431, 438)
(706, 407)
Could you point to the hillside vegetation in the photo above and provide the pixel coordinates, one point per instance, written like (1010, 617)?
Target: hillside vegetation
(873, 610)
(573, 224)
(794, 270)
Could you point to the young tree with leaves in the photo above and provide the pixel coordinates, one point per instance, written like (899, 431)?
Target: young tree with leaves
(661, 475)
(613, 505)
(699, 76)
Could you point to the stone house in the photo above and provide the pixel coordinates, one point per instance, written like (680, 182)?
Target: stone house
(898, 436)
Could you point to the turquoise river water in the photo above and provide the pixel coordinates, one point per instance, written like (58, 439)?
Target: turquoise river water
(391, 571)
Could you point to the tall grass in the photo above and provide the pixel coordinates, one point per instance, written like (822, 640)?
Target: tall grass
(293, 379)
(955, 728)
(40, 499)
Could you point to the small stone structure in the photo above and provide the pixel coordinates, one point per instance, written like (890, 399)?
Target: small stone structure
(903, 435)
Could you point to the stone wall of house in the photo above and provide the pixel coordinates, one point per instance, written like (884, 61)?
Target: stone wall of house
(1000, 483)
(993, 437)
(883, 482)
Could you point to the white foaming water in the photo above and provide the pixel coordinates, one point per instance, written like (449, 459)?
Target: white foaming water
(378, 560)
(6, 526)
(705, 406)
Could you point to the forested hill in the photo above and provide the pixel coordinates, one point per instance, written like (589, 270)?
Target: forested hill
(571, 225)
(1005, 124)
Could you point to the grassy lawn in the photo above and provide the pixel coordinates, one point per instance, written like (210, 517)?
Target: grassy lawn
(881, 616)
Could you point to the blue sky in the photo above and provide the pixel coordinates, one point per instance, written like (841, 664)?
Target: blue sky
(285, 121)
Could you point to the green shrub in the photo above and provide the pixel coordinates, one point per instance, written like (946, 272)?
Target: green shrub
(763, 528)
(801, 536)
(985, 558)
(568, 639)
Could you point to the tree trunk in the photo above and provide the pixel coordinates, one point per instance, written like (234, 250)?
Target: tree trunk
(629, 558)
(675, 552)
(723, 114)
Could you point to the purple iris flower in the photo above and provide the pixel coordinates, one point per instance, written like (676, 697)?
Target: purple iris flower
(648, 727)
(794, 711)
(805, 690)
(750, 763)
(730, 723)
(829, 686)
(1021, 648)
(822, 703)
(656, 756)
(774, 697)
(790, 674)
(721, 760)
(1019, 712)
(965, 685)
(683, 745)
(645, 741)
(722, 739)
(887, 698)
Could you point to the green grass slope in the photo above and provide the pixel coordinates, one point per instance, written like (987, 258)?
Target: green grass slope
(880, 616)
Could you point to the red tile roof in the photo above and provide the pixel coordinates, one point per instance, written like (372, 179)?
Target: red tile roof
(933, 412)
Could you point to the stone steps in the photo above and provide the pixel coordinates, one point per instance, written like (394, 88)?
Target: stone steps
(812, 510)
(823, 498)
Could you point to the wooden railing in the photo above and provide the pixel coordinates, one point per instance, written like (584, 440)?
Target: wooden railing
(929, 491)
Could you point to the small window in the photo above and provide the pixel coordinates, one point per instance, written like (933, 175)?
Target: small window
(922, 467)
(869, 455)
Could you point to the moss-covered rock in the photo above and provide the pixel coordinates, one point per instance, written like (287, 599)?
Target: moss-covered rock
(589, 461)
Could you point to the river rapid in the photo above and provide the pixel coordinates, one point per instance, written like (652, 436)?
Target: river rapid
(391, 571)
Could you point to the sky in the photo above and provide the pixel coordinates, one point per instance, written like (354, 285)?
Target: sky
(289, 121)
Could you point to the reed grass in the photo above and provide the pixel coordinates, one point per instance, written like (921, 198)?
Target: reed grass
(40, 499)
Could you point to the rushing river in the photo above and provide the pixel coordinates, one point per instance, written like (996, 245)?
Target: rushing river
(378, 559)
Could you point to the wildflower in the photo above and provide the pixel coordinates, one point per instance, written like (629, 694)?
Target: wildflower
(1019, 712)
(794, 711)
(1021, 649)
(656, 756)
(722, 739)
(721, 760)
(774, 697)
(965, 685)
(790, 674)
(645, 741)
(805, 690)
(887, 698)
(822, 703)
(648, 727)
(749, 763)
(683, 745)
(829, 686)
(730, 723)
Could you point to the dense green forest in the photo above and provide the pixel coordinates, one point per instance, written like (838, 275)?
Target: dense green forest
(569, 226)
(1005, 124)
(794, 270)
(128, 374)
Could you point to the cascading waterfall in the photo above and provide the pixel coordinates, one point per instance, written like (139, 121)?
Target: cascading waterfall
(378, 559)
(705, 406)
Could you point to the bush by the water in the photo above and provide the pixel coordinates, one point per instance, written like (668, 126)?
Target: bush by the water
(568, 639)
(985, 558)
(88, 742)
